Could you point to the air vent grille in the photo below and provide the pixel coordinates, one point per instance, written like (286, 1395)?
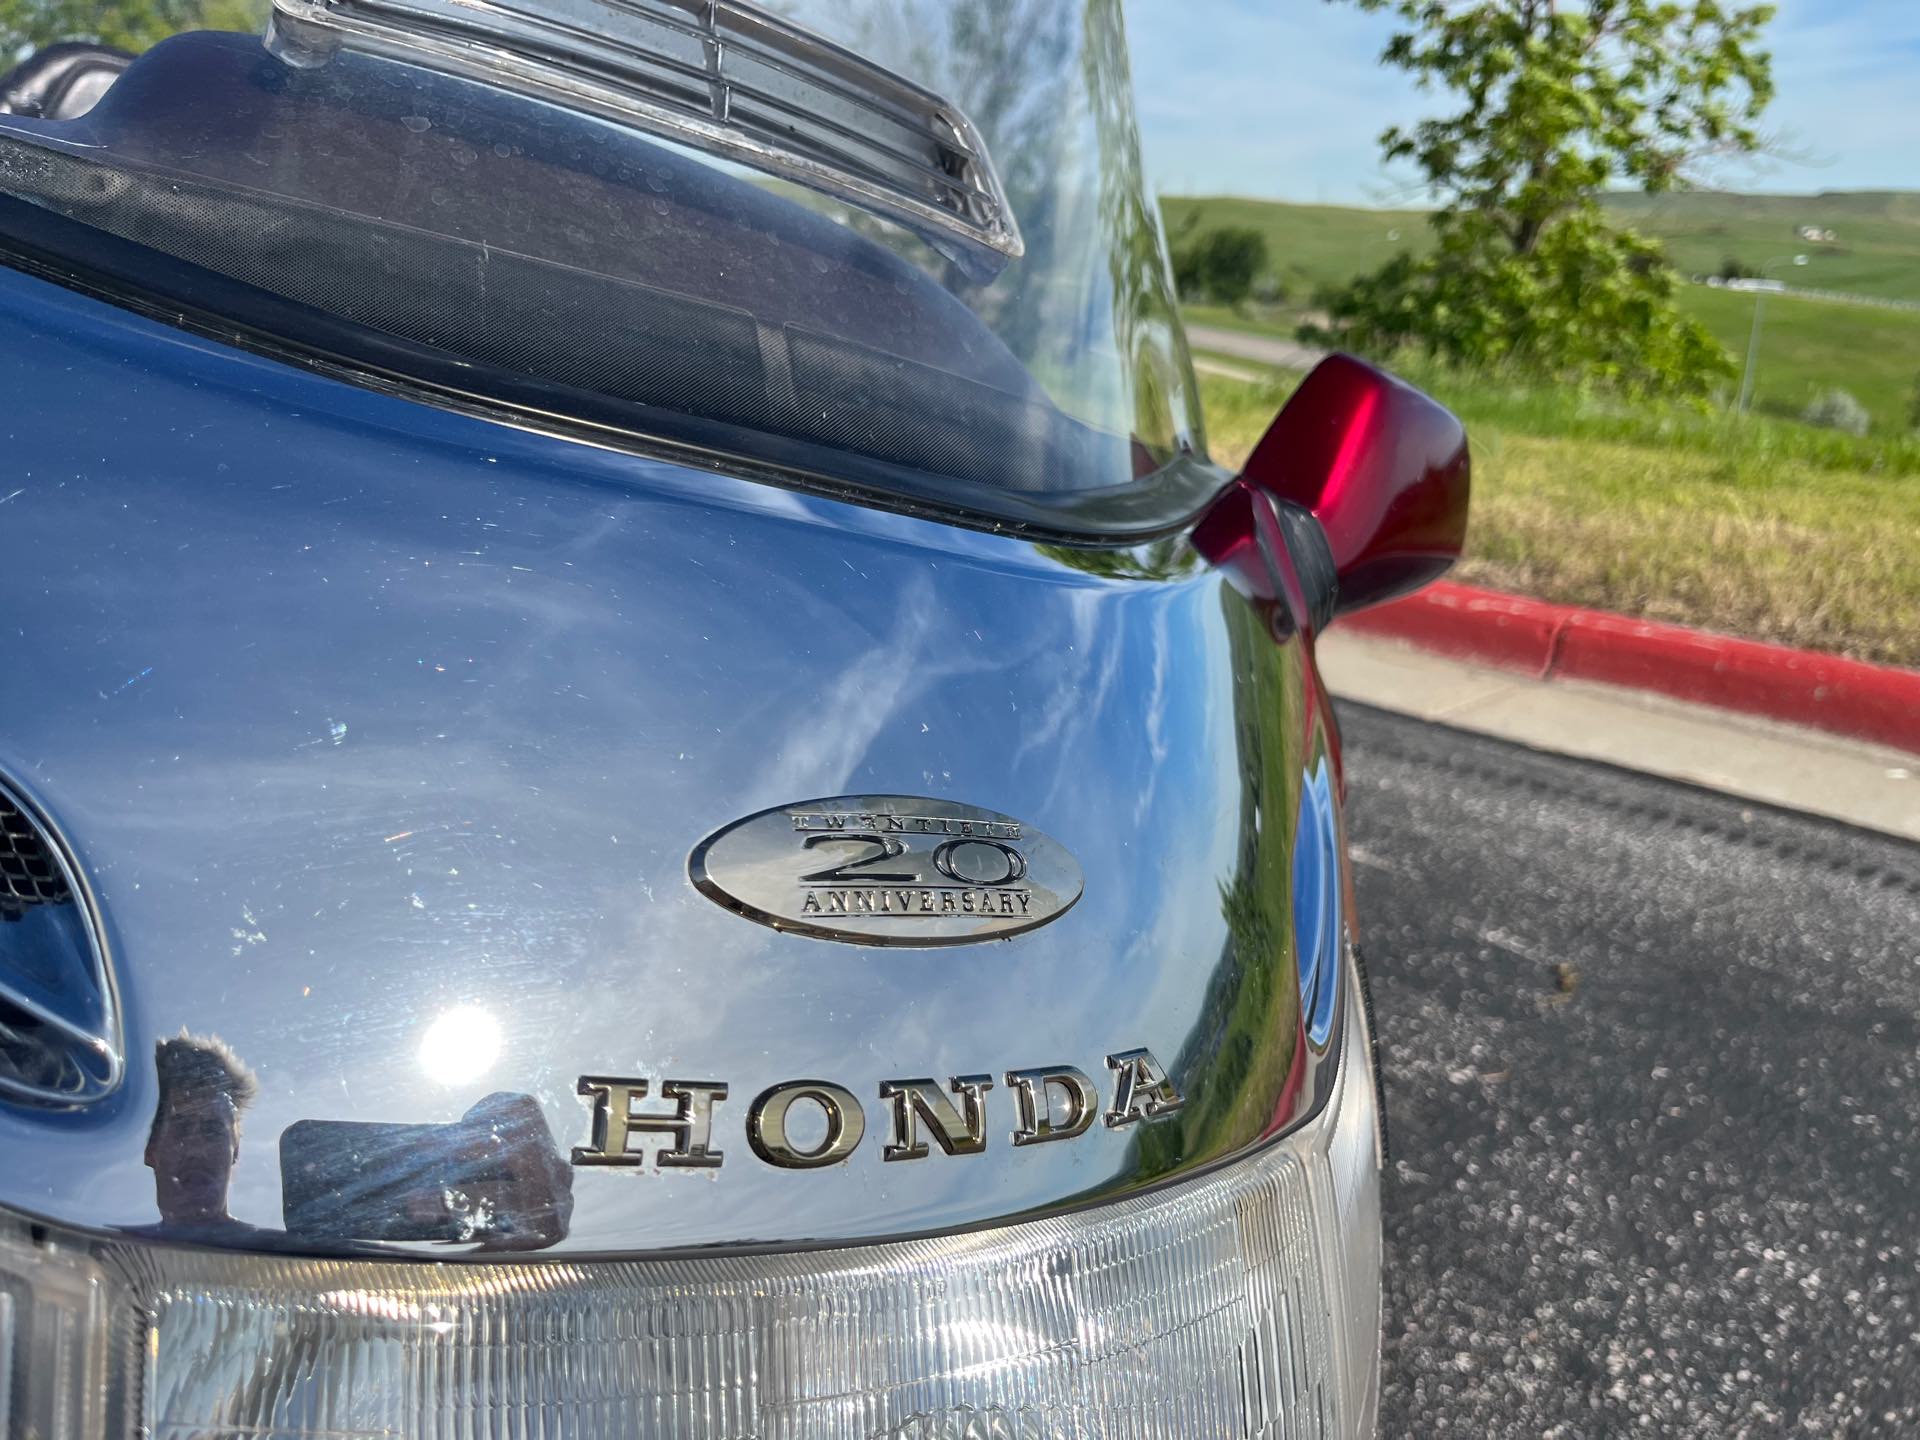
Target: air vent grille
(29, 874)
(730, 77)
(60, 1038)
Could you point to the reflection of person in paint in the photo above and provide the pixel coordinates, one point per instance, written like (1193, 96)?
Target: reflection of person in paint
(195, 1139)
(494, 1176)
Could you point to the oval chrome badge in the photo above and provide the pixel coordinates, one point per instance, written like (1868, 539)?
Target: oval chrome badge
(887, 870)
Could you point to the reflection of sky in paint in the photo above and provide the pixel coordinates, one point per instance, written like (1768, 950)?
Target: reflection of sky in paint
(553, 683)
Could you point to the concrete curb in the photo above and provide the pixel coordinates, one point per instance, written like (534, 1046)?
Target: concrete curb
(1799, 687)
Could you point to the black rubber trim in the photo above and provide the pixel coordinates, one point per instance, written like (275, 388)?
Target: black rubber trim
(1373, 1048)
(1312, 561)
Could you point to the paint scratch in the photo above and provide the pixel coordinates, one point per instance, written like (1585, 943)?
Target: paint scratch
(128, 683)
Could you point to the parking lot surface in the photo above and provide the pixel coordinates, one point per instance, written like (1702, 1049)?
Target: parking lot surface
(1652, 1059)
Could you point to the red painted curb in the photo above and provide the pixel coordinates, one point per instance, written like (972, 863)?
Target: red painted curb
(1510, 631)
(1800, 687)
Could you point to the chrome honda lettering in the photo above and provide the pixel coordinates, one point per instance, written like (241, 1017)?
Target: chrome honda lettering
(1050, 1103)
(957, 1130)
(1035, 1092)
(616, 1122)
(1141, 1090)
(767, 1124)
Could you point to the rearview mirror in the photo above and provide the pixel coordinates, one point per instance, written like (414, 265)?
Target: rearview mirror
(1381, 466)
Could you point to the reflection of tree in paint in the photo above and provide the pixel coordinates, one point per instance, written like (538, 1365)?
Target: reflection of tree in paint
(1158, 560)
(1146, 328)
(1008, 64)
(1089, 308)
(1237, 1062)
(27, 25)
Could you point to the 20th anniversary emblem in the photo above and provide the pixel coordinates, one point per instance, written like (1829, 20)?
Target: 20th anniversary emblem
(887, 870)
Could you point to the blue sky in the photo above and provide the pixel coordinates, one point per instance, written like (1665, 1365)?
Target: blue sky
(1286, 98)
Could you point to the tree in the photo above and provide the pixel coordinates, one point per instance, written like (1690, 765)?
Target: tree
(1220, 265)
(1231, 259)
(1559, 101)
(1184, 252)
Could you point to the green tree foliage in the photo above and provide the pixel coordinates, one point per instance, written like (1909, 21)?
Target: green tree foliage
(1220, 265)
(26, 25)
(1559, 100)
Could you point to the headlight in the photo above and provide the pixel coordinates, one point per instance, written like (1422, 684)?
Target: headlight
(1244, 1302)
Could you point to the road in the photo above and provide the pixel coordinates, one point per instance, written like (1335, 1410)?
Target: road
(1266, 349)
(1652, 1059)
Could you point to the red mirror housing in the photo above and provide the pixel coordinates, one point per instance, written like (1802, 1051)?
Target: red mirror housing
(1382, 466)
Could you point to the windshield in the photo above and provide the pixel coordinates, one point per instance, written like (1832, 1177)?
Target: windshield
(898, 247)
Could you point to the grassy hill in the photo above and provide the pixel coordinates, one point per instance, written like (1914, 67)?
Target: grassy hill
(1807, 345)
(1308, 245)
(1875, 251)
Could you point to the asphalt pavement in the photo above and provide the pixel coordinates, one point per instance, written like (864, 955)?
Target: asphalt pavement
(1265, 349)
(1652, 1058)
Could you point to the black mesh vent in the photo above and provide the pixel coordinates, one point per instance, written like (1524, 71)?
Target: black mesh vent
(59, 1030)
(29, 874)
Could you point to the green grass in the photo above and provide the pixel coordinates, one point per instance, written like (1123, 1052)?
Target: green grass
(1751, 443)
(1754, 524)
(1755, 527)
(1807, 346)
(1249, 319)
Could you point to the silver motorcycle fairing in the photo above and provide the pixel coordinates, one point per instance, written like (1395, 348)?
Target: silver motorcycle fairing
(382, 736)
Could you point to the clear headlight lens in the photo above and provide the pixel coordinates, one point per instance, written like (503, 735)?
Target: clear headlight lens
(1245, 1302)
